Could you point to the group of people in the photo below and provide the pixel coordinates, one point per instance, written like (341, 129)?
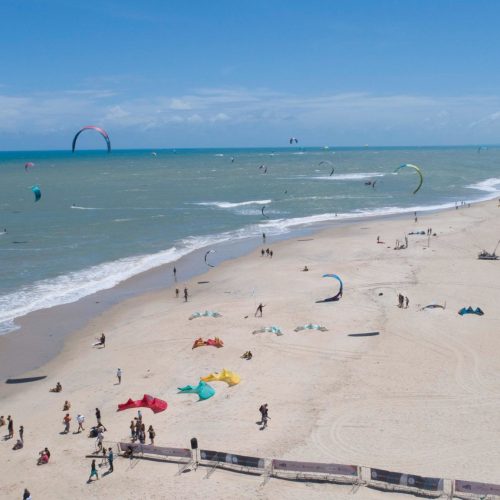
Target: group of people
(138, 430)
(266, 252)
(403, 302)
(107, 456)
(186, 295)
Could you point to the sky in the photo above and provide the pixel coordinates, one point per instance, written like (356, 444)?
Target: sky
(228, 73)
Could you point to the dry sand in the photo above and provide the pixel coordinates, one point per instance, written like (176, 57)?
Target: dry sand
(419, 398)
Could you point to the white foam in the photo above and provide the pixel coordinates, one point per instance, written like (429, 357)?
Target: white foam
(228, 204)
(74, 207)
(487, 185)
(350, 177)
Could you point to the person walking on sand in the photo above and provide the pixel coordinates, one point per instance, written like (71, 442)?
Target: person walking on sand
(110, 459)
(400, 301)
(175, 274)
(93, 472)
(80, 419)
(10, 427)
(176, 293)
(21, 433)
(66, 422)
(407, 302)
(265, 418)
(262, 411)
(185, 294)
(119, 375)
(100, 439)
(259, 310)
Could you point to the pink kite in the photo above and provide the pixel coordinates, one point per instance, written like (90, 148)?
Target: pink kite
(147, 401)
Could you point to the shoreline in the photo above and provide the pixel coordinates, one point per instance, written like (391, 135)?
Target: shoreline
(42, 334)
(428, 381)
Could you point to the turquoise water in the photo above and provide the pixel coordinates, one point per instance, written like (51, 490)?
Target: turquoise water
(104, 218)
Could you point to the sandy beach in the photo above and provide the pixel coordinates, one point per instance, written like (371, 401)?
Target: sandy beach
(420, 397)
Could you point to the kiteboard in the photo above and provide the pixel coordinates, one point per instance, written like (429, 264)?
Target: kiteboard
(24, 380)
(368, 334)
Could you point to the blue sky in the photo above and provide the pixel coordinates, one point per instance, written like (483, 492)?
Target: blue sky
(226, 73)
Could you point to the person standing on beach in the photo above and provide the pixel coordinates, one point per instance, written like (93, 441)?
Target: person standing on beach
(271, 254)
(152, 434)
(110, 459)
(10, 427)
(100, 439)
(175, 274)
(26, 494)
(400, 301)
(407, 302)
(93, 472)
(80, 419)
(66, 422)
(132, 430)
(98, 416)
(176, 293)
(185, 294)
(21, 433)
(262, 410)
(119, 375)
(259, 310)
(262, 253)
(263, 237)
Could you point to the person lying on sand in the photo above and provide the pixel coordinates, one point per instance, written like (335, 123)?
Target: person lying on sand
(305, 269)
(57, 388)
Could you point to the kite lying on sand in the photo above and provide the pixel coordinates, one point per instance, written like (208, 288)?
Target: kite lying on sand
(216, 342)
(147, 401)
(311, 326)
(203, 390)
(224, 376)
(208, 314)
(270, 329)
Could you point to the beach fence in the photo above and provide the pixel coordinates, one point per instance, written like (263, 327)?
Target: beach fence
(355, 475)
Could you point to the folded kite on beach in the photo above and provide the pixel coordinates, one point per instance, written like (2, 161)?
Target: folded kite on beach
(147, 401)
(270, 329)
(224, 376)
(469, 310)
(203, 390)
(433, 306)
(208, 314)
(216, 342)
(310, 326)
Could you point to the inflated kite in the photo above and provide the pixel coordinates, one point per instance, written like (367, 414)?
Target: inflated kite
(338, 295)
(97, 129)
(417, 169)
(270, 329)
(224, 376)
(208, 314)
(203, 390)
(311, 326)
(147, 401)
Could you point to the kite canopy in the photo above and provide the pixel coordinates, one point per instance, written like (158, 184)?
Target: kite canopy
(97, 129)
(28, 164)
(270, 329)
(208, 314)
(216, 342)
(293, 139)
(206, 255)
(339, 293)
(262, 211)
(203, 390)
(469, 310)
(311, 326)
(224, 376)
(417, 169)
(36, 192)
(147, 401)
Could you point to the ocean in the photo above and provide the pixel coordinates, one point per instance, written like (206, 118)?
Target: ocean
(103, 218)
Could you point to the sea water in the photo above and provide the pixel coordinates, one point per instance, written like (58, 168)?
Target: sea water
(104, 218)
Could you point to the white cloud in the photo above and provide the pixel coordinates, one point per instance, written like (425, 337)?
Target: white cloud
(357, 117)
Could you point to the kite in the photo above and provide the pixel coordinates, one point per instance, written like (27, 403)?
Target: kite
(36, 192)
(263, 214)
(97, 129)
(310, 326)
(270, 329)
(417, 169)
(147, 401)
(206, 255)
(339, 294)
(203, 390)
(208, 314)
(28, 164)
(224, 376)
(293, 139)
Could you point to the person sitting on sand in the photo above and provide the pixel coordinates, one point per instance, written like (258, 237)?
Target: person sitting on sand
(247, 355)
(44, 457)
(129, 453)
(19, 444)
(67, 406)
(57, 388)
(305, 269)
(2, 421)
